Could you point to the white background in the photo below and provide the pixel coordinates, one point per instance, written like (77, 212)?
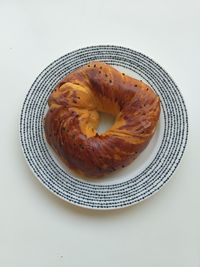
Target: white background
(37, 228)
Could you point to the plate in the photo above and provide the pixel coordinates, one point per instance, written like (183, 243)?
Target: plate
(147, 174)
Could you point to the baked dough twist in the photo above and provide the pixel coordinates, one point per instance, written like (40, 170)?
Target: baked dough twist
(71, 121)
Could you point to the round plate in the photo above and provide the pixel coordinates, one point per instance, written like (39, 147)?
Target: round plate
(147, 174)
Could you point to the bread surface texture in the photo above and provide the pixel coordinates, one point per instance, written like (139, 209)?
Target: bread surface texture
(73, 117)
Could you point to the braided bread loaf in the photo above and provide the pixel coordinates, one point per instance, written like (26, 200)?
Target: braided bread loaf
(72, 119)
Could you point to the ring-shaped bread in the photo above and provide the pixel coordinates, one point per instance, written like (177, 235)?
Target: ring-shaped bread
(71, 121)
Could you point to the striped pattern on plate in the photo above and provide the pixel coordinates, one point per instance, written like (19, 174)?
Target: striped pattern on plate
(126, 191)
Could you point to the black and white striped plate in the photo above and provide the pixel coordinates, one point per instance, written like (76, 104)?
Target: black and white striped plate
(147, 174)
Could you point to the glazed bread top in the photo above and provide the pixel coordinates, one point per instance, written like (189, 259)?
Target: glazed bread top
(72, 118)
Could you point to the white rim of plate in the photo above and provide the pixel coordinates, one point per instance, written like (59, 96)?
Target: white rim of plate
(109, 196)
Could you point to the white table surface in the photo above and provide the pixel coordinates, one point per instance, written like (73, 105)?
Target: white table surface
(36, 227)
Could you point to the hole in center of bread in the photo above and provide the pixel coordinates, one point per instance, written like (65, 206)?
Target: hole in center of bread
(106, 122)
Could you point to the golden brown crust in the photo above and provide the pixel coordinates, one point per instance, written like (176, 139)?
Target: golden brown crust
(71, 121)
